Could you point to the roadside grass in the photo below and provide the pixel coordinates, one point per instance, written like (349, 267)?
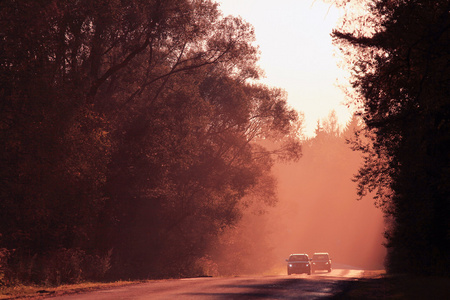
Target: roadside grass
(36, 292)
(395, 287)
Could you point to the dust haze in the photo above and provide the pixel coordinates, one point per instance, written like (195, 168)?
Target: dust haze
(318, 211)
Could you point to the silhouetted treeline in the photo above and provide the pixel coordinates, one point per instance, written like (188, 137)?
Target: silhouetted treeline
(399, 57)
(129, 136)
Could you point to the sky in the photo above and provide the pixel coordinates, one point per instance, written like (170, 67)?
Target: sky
(297, 53)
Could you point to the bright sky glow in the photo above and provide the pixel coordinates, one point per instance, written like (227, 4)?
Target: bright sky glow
(296, 53)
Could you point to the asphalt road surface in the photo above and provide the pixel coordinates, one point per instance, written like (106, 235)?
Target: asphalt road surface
(316, 286)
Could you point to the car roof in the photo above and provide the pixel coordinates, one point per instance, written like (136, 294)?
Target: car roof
(321, 253)
(299, 254)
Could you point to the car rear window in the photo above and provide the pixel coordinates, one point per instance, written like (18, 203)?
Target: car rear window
(320, 257)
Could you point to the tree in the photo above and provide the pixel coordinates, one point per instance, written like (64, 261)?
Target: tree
(204, 159)
(330, 125)
(55, 150)
(399, 62)
(130, 132)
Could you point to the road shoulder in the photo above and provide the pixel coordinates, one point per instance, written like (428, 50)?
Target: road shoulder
(382, 286)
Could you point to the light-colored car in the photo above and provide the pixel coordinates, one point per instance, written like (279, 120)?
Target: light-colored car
(298, 263)
(321, 261)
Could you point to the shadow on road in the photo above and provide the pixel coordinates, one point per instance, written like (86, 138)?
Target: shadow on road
(395, 287)
(290, 288)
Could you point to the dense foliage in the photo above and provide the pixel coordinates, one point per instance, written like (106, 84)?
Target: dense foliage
(398, 51)
(129, 133)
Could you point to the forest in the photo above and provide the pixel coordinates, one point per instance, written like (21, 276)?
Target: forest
(134, 133)
(131, 133)
(397, 52)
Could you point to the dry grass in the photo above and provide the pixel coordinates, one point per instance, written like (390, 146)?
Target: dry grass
(36, 292)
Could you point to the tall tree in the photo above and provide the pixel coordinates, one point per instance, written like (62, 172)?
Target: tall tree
(131, 126)
(398, 53)
(54, 149)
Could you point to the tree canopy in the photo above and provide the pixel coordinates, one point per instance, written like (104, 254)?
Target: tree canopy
(398, 53)
(131, 132)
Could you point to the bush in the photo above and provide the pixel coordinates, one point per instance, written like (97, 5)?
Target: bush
(95, 267)
(4, 255)
(61, 266)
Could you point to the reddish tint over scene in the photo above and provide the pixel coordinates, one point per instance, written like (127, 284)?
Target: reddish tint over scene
(317, 211)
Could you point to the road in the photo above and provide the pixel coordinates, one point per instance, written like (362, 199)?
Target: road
(316, 286)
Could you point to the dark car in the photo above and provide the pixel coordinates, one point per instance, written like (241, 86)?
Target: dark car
(321, 261)
(298, 263)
